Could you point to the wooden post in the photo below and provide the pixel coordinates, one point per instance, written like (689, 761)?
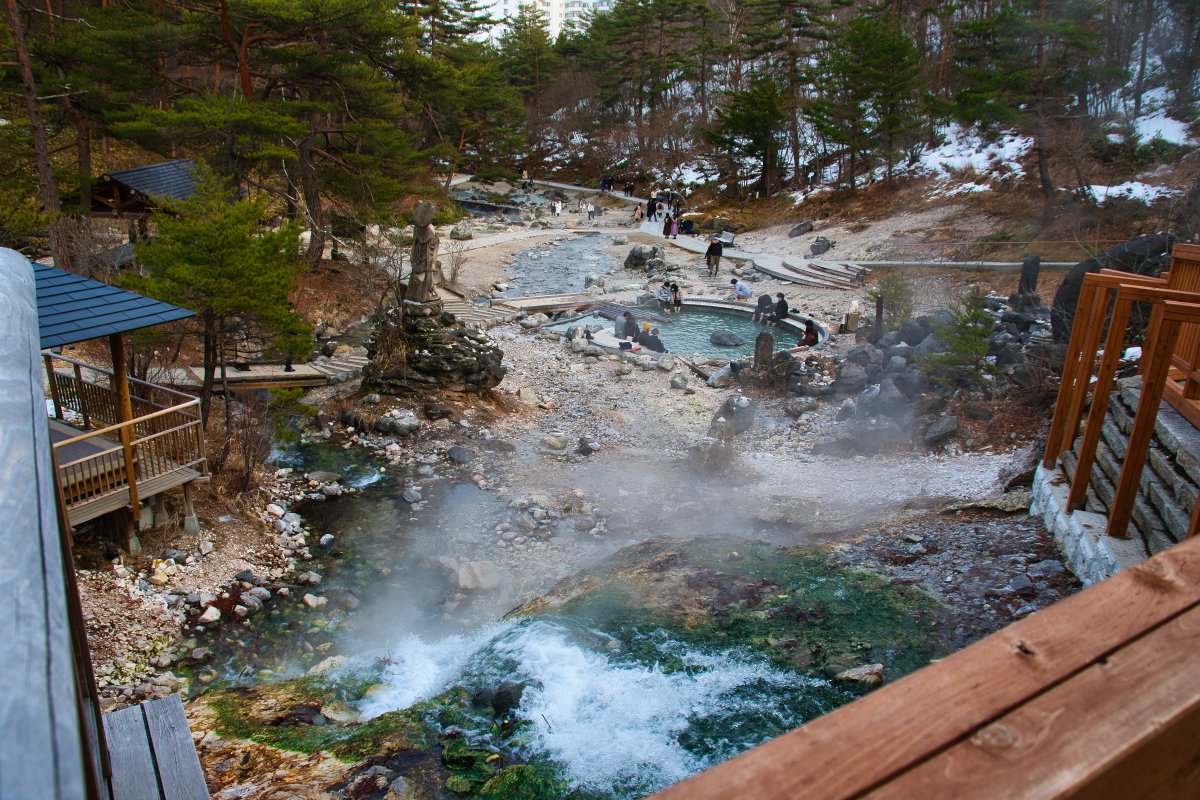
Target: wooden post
(1100, 393)
(191, 524)
(1162, 332)
(1070, 384)
(125, 410)
(49, 360)
(83, 408)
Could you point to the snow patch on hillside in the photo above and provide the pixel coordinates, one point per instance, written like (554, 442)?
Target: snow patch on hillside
(966, 150)
(1160, 126)
(1132, 190)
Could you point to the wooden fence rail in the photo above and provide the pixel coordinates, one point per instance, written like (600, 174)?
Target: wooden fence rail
(1169, 367)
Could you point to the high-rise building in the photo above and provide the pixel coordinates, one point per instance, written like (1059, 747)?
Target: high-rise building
(559, 13)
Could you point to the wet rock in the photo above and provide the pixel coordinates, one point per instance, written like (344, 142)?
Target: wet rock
(868, 674)
(321, 476)
(309, 578)
(314, 601)
(210, 615)
(725, 339)
(411, 495)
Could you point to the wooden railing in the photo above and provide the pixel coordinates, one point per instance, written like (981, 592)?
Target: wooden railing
(160, 439)
(1169, 369)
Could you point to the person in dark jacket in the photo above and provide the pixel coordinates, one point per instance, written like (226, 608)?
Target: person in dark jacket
(667, 220)
(651, 342)
(811, 336)
(762, 311)
(780, 310)
(712, 256)
(629, 326)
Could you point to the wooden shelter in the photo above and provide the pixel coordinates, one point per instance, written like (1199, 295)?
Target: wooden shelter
(117, 441)
(140, 191)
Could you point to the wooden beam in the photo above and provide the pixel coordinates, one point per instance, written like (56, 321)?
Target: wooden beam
(860, 747)
(120, 379)
(46, 751)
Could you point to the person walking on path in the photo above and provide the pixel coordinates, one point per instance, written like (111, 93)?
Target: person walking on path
(652, 210)
(667, 222)
(591, 209)
(675, 228)
(712, 256)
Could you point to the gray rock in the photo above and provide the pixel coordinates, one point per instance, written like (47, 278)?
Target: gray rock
(945, 427)
(593, 279)
(851, 378)
(1021, 586)
(555, 442)
(679, 381)
(411, 495)
(725, 339)
(895, 364)
(322, 476)
(461, 231)
(738, 413)
(372, 399)
(914, 331)
(460, 455)
(800, 230)
(171, 554)
(1046, 569)
(210, 615)
(798, 406)
(928, 346)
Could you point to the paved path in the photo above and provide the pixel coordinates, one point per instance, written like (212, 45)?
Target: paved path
(827, 274)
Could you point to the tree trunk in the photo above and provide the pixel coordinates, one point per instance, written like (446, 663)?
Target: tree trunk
(210, 366)
(1139, 85)
(41, 148)
(312, 195)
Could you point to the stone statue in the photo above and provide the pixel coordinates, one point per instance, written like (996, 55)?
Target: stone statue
(424, 256)
(1029, 274)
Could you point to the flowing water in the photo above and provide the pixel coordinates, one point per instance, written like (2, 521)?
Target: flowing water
(559, 267)
(619, 706)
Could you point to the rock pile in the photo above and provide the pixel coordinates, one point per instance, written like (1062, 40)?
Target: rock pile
(434, 353)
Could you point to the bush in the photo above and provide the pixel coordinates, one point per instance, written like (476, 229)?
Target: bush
(897, 292)
(965, 363)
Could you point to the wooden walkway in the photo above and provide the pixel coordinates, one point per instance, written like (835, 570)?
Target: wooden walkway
(268, 376)
(151, 752)
(1097, 696)
(466, 312)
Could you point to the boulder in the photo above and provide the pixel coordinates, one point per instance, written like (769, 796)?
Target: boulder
(411, 495)
(725, 339)
(798, 406)
(460, 455)
(738, 414)
(868, 674)
(461, 231)
(820, 245)
(679, 380)
(852, 378)
(913, 331)
(640, 256)
(210, 615)
(800, 230)
(942, 429)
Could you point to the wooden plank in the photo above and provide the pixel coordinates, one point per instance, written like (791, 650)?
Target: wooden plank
(43, 752)
(132, 760)
(178, 765)
(863, 745)
(1126, 727)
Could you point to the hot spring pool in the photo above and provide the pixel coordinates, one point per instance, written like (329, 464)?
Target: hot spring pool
(688, 333)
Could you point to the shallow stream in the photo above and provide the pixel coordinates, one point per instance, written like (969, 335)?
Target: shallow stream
(619, 691)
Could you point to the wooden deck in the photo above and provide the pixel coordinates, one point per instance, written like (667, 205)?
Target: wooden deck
(151, 752)
(1097, 696)
(268, 376)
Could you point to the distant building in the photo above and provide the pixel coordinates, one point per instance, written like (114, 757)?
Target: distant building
(559, 13)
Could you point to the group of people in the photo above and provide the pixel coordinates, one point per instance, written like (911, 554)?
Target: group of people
(768, 311)
(661, 205)
(669, 297)
(641, 335)
(670, 227)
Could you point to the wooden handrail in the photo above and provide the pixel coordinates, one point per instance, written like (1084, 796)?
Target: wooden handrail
(109, 373)
(120, 425)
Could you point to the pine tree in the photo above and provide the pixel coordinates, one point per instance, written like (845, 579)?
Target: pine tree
(211, 256)
(747, 126)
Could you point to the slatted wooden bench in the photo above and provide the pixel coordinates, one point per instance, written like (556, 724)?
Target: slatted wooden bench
(151, 753)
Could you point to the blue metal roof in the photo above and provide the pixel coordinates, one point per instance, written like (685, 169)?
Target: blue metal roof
(170, 179)
(72, 308)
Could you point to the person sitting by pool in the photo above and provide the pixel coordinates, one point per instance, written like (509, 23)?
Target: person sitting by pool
(676, 298)
(762, 312)
(663, 295)
(650, 341)
(811, 336)
(779, 311)
(741, 291)
(628, 329)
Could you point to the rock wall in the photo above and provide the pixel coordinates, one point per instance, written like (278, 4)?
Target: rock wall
(430, 353)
